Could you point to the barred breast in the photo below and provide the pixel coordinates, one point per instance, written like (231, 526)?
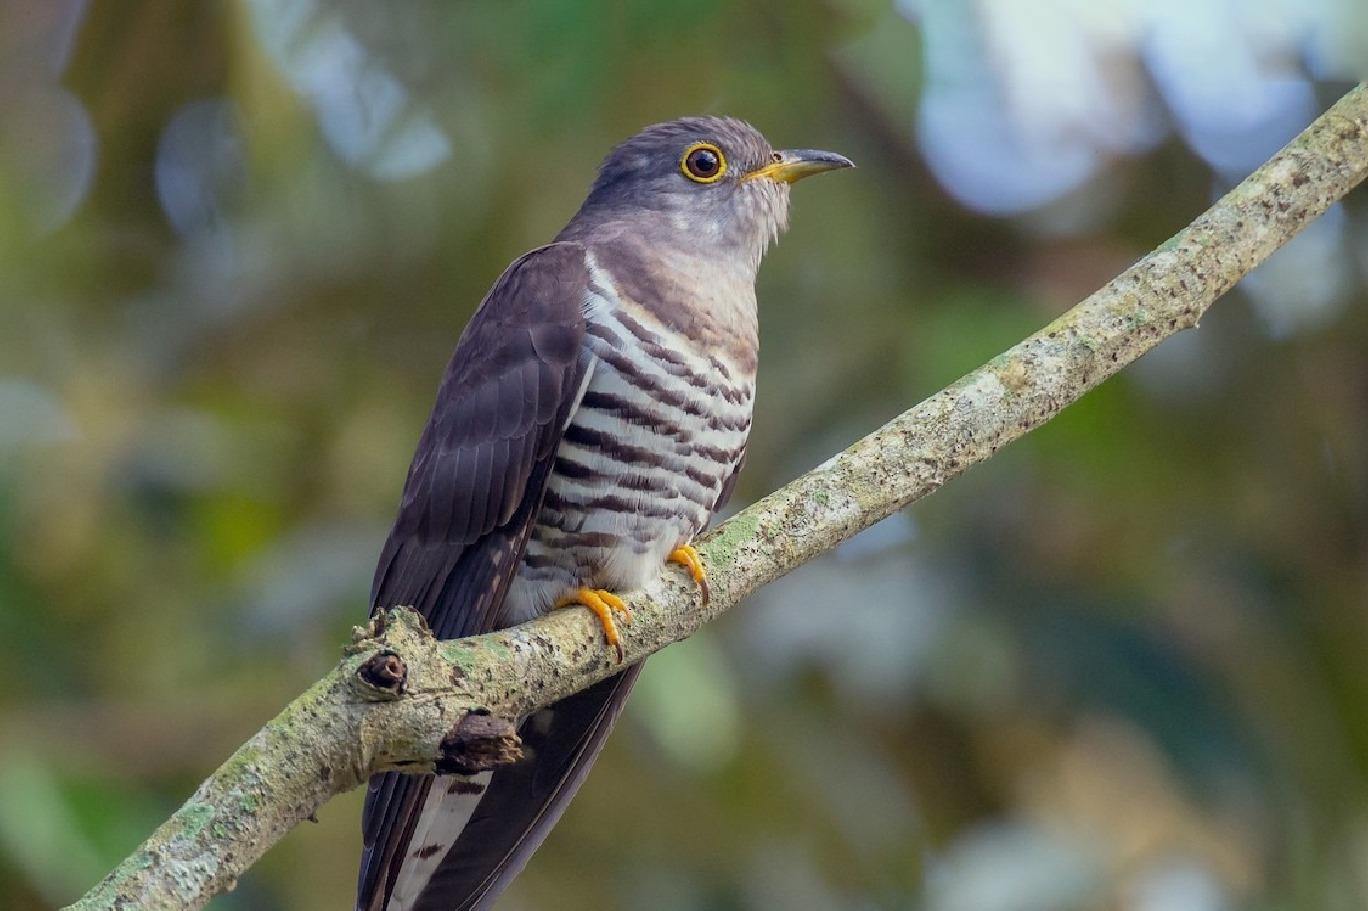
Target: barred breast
(661, 427)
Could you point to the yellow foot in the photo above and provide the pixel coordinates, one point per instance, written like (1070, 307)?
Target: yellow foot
(602, 603)
(687, 557)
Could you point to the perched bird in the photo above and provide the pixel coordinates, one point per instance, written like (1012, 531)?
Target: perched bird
(590, 423)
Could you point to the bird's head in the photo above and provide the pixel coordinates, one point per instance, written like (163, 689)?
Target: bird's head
(708, 186)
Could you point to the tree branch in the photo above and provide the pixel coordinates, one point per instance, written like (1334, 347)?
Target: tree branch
(400, 699)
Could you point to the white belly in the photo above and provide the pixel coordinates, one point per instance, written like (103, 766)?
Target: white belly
(639, 470)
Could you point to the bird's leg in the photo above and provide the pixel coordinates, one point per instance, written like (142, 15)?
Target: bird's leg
(602, 603)
(687, 557)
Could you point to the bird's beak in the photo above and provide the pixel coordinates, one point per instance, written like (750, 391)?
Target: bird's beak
(792, 165)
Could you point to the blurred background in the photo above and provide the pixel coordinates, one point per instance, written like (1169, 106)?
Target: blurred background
(1121, 666)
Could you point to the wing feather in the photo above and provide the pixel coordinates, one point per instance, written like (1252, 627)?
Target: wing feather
(473, 490)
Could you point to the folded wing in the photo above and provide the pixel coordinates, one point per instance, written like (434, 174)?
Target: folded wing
(471, 496)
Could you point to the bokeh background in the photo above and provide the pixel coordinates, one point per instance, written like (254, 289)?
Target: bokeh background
(1124, 665)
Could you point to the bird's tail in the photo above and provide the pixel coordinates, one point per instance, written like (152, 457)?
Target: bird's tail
(438, 843)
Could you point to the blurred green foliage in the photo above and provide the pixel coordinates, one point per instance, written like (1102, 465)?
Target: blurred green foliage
(1121, 666)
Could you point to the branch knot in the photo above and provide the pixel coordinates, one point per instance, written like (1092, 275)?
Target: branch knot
(479, 742)
(384, 671)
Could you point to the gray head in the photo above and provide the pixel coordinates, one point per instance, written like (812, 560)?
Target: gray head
(706, 186)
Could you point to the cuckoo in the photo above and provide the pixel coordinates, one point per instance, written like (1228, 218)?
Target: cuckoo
(590, 422)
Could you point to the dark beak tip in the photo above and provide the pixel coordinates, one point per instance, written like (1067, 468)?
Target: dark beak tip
(828, 161)
(835, 158)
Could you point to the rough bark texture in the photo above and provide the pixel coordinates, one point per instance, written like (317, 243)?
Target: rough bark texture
(400, 699)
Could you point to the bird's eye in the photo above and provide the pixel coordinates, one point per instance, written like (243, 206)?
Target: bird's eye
(703, 162)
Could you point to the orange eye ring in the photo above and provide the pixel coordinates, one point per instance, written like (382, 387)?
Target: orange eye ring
(703, 162)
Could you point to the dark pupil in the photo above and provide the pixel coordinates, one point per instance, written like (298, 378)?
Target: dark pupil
(703, 163)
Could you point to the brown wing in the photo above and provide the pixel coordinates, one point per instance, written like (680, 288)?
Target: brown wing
(480, 468)
(473, 490)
